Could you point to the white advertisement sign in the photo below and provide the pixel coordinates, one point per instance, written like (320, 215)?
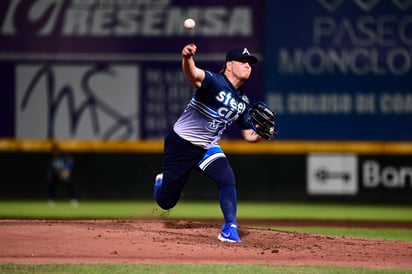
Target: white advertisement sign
(332, 174)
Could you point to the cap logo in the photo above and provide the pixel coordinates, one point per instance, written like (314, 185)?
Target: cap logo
(245, 51)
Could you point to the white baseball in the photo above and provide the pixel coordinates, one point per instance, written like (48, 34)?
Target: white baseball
(189, 23)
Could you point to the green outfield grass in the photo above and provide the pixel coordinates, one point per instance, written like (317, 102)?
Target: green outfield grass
(188, 269)
(210, 210)
(205, 210)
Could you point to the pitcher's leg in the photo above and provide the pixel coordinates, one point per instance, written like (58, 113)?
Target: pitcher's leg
(221, 172)
(167, 191)
(179, 158)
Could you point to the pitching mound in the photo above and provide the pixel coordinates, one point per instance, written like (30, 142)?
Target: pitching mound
(173, 241)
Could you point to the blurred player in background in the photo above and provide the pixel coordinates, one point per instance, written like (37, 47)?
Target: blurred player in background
(59, 172)
(193, 142)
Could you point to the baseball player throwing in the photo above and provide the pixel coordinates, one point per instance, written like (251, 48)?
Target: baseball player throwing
(193, 142)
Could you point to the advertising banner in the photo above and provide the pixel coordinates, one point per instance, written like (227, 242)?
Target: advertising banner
(372, 178)
(340, 70)
(111, 70)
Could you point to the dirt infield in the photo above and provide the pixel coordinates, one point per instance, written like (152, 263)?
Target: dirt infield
(182, 241)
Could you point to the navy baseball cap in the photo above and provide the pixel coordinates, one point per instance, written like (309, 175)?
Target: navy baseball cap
(240, 53)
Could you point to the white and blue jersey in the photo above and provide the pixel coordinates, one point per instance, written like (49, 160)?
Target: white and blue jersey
(213, 107)
(192, 144)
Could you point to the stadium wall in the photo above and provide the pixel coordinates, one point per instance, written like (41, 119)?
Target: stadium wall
(269, 171)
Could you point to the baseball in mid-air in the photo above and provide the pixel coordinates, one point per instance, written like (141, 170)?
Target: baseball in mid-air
(189, 23)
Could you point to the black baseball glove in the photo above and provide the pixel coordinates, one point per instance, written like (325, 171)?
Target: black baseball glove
(262, 120)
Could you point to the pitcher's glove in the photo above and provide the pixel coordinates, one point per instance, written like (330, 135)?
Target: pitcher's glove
(262, 120)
